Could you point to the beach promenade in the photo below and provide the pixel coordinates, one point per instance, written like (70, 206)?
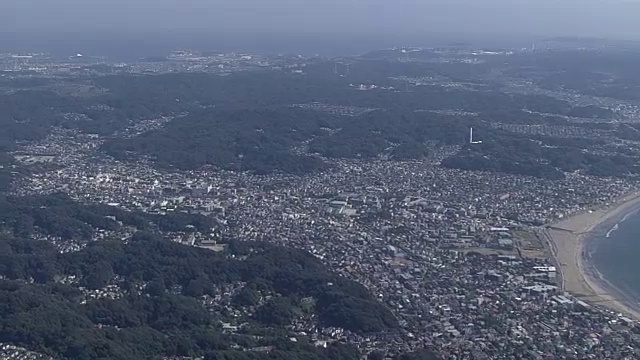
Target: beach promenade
(568, 240)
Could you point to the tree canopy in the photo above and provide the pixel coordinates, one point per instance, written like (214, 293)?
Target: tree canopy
(158, 310)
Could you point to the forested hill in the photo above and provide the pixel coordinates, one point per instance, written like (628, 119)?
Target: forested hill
(59, 216)
(235, 123)
(150, 299)
(247, 120)
(6, 162)
(262, 140)
(258, 140)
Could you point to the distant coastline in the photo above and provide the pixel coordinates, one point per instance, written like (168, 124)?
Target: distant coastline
(573, 241)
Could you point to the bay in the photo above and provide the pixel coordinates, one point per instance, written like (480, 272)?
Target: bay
(615, 253)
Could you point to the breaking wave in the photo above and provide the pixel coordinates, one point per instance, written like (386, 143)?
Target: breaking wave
(616, 226)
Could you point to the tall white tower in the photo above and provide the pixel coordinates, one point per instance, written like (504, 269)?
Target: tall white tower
(471, 137)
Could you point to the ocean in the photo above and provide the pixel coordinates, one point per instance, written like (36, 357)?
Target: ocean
(615, 253)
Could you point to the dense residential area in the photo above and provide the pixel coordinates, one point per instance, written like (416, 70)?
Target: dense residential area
(232, 206)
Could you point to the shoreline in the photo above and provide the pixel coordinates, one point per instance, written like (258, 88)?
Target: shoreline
(571, 241)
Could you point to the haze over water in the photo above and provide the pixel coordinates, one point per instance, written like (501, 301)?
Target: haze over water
(137, 44)
(135, 28)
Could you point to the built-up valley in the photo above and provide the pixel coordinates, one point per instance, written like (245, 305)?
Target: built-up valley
(456, 255)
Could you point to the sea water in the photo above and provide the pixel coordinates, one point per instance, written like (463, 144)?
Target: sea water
(615, 253)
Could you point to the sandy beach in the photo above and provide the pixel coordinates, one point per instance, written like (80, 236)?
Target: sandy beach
(568, 240)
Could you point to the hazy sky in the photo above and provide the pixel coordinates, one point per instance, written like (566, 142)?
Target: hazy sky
(610, 18)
